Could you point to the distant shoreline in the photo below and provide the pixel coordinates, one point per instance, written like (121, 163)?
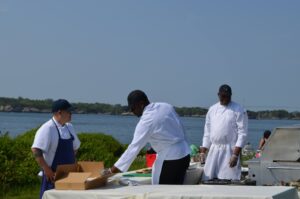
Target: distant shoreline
(128, 114)
(24, 105)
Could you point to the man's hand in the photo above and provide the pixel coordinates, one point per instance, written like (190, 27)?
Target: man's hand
(202, 158)
(50, 175)
(38, 154)
(106, 172)
(233, 160)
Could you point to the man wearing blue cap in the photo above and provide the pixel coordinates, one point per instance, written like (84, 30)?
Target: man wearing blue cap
(55, 143)
(225, 132)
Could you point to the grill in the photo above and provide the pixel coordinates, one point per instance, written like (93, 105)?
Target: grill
(279, 162)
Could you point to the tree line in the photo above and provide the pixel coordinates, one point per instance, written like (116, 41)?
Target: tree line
(44, 106)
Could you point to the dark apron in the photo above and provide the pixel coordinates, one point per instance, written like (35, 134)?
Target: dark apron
(64, 154)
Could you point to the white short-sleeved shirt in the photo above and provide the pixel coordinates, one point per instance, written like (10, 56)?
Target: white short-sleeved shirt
(46, 138)
(161, 127)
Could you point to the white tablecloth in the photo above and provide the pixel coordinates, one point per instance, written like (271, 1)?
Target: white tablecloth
(178, 192)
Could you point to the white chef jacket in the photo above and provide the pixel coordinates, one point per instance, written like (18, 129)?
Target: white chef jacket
(225, 127)
(161, 127)
(46, 138)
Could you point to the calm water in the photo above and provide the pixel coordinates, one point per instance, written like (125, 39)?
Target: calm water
(122, 127)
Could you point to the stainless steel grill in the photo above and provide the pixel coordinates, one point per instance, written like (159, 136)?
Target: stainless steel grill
(279, 162)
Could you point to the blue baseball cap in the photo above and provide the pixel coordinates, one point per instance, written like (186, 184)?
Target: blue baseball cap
(61, 104)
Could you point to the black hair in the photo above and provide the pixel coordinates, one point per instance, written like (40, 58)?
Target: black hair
(135, 97)
(225, 89)
(267, 134)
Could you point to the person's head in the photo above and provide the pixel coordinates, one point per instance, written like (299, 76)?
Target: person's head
(225, 94)
(137, 101)
(267, 134)
(61, 110)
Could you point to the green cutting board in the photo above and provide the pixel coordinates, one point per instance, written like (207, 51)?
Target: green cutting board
(137, 175)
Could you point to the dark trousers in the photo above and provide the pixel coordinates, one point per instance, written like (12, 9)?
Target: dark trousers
(173, 171)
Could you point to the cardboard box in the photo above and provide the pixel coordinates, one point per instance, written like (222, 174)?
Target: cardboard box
(79, 176)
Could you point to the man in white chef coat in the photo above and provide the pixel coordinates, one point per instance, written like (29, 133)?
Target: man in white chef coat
(160, 126)
(225, 133)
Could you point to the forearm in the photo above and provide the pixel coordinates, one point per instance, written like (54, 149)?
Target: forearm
(41, 161)
(234, 157)
(237, 151)
(39, 158)
(261, 143)
(127, 158)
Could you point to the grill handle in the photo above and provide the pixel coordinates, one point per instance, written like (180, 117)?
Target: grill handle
(286, 168)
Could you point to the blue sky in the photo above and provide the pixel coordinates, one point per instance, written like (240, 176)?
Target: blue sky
(176, 51)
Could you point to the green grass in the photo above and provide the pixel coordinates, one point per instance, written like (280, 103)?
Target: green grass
(138, 163)
(26, 192)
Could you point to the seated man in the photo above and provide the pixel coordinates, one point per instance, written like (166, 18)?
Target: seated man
(264, 139)
(262, 142)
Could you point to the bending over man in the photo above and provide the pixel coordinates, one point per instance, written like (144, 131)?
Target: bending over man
(160, 126)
